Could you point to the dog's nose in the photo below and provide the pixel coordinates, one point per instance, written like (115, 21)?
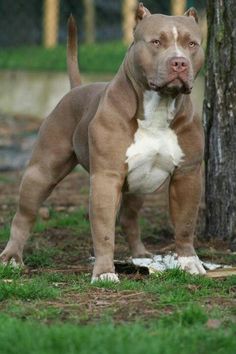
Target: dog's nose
(179, 64)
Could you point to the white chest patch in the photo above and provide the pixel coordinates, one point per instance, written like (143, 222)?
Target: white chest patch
(155, 151)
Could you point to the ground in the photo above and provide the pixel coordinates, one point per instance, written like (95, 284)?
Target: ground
(163, 313)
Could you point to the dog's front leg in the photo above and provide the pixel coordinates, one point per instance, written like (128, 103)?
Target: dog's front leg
(185, 196)
(105, 195)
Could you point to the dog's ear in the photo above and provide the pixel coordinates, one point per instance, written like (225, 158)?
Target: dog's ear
(192, 12)
(141, 12)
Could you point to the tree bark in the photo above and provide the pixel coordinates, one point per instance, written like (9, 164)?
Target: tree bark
(220, 121)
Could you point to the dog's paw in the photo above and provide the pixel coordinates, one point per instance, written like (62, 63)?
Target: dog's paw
(12, 258)
(191, 264)
(13, 263)
(112, 277)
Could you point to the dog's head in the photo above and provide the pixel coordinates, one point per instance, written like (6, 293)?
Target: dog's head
(167, 52)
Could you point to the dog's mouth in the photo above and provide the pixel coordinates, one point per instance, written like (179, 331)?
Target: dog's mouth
(173, 87)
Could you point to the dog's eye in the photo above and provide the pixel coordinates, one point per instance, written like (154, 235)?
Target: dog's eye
(156, 42)
(192, 44)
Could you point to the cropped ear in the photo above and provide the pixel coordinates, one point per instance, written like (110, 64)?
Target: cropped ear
(192, 12)
(141, 12)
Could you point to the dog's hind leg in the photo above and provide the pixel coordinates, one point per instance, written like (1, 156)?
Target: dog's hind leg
(130, 207)
(46, 169)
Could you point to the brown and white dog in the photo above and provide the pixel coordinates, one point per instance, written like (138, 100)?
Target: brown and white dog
(132, 134)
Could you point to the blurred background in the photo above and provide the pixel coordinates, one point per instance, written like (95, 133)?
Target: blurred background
(33, 58)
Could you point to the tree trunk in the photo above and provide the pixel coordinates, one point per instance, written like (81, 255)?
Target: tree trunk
(128, 10)
(220, 120)
(89, 21)
(50, 23)
(178, 7)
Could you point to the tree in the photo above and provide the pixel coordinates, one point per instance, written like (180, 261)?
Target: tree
(220, 120)
(89, 21)
(178, 7)
(128, 10)
(50, 23)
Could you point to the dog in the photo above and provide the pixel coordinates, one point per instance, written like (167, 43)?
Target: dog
(133, 135)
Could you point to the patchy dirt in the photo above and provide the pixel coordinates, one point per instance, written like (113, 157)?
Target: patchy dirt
(72, 193)
(65, 250)
(101, 302)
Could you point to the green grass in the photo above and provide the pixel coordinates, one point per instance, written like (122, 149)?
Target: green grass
(41, 258)
(5, 179)
(176, 287)
(5, 232)
(27, 290)
(46, 312)
(32, 310)
(40, 327)
(74, 220)
(181, 336)
(93, 58)
(14, 285)
(10, 272)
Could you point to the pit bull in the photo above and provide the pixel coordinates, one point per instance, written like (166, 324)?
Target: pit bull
(133, 135)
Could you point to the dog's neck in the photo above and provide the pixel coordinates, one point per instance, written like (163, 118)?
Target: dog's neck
(159, 111)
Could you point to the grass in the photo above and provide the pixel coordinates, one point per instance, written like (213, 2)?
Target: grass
(93, 58)
(41, 258)
(176, 287)
(5, 179)
(27, 290)
(51, 327)
(74, 220)
(51, 311)
(187, 334)
(5, 231)
(9, 272)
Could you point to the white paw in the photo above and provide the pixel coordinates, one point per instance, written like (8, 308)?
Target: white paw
(191, 264)
(112, 277)
(13, 263)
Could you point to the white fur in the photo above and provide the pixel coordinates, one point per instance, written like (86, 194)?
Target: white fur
(155, 151)
(106, 277)
(191, 264)
(179, 53)
(12, 263)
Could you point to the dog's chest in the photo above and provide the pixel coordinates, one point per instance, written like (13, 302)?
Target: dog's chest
(155, 151)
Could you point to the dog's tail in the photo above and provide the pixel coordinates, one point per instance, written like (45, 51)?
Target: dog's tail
(72, 52)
